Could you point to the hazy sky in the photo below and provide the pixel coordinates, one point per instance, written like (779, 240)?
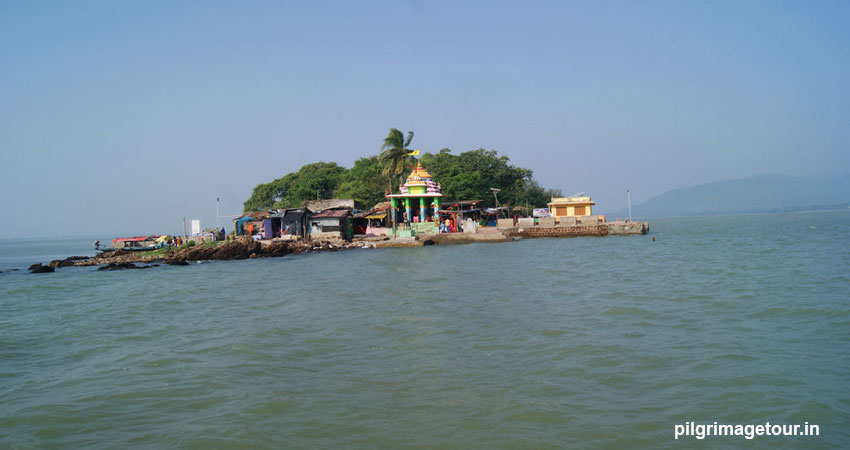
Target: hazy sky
(121, 118)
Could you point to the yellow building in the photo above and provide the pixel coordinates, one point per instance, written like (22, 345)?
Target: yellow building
(571, 207)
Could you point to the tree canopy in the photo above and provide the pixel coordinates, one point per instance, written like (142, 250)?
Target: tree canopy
(394, 155)
(470, 175)
(312, 181)
(466, 176)
(364, 182)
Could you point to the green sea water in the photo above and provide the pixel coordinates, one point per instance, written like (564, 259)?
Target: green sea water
(546, 343)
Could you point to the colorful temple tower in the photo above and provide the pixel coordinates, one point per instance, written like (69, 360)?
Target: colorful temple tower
(420, 195)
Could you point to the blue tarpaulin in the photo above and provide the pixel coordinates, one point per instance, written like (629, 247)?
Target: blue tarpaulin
(240, 222)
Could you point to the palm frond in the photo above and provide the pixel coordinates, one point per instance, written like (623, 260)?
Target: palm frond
(394, 139)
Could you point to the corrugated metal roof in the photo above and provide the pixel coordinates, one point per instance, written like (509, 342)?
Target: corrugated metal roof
(135, 239)
(256, 215)
(379, 210)
(334, 213)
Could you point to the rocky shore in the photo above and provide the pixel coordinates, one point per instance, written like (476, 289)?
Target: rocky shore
(241, 248)
(244, 247)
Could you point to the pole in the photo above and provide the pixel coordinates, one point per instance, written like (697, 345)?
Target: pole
(184, 229)
(216, 212)
(392, 206)
(629, 198)
(392, 212)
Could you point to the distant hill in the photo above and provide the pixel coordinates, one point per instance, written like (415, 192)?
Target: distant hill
(761, 193)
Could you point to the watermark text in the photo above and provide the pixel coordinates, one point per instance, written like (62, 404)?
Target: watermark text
(750, 431)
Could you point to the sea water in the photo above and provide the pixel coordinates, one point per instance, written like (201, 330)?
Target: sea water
(544, 343)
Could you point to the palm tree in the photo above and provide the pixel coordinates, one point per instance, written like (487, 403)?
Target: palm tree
(393, 158)
(394, 155)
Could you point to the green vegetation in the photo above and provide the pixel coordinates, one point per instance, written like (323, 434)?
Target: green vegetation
(159, 253)
(395, 156)
(364, 182)
(466, 176)
(312, 181)
(470, 175)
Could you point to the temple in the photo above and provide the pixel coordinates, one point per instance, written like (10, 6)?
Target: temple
(420, 195)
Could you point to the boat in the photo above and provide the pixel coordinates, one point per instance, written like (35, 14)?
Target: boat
(138, 243)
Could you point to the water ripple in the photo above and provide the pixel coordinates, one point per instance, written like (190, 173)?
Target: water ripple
(546, 343)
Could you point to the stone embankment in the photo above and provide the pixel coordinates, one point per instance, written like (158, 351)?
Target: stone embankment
(597, 230)
(627, 228)
(572, 231)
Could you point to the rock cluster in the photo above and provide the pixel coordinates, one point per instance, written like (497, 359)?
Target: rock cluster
(57, 263)
(67, 262)
(242, 247)
(39, 268)
(124, 266)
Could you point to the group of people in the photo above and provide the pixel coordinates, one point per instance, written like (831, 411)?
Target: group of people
(447, 226)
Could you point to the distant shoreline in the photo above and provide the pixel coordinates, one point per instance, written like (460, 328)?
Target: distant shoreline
(750, 212)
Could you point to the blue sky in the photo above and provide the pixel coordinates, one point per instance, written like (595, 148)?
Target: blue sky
(123, 117)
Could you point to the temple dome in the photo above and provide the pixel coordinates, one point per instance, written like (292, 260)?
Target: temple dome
(420, 177)
(421, 181)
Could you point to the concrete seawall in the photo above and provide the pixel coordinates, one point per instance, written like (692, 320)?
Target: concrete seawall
(627, 228)
(444, 239)
(597, 230)
(506, 234)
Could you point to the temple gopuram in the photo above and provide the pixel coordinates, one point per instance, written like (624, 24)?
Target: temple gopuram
(420, 196)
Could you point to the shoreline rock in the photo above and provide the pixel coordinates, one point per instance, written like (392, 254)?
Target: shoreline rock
(39, 268)
(245, 247)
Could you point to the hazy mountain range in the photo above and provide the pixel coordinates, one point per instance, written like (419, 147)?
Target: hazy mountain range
(761, 193)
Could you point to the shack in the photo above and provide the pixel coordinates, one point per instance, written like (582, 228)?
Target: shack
(251, 223)
(372, 222)
(461, 214)
(332, 203)
(491, 216)
(135, 243)
(290, 223)
(331, 224)
(464, 209)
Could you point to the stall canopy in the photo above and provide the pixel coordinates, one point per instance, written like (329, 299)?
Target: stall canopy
(133, 239)
(462, 205)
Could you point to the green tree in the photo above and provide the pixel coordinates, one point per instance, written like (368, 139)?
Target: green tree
(364, 182)
(316, 180)
(312, 181)
(262, 197)
(538, 196)
(470, 175)
(394, 155)
(467, 176)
